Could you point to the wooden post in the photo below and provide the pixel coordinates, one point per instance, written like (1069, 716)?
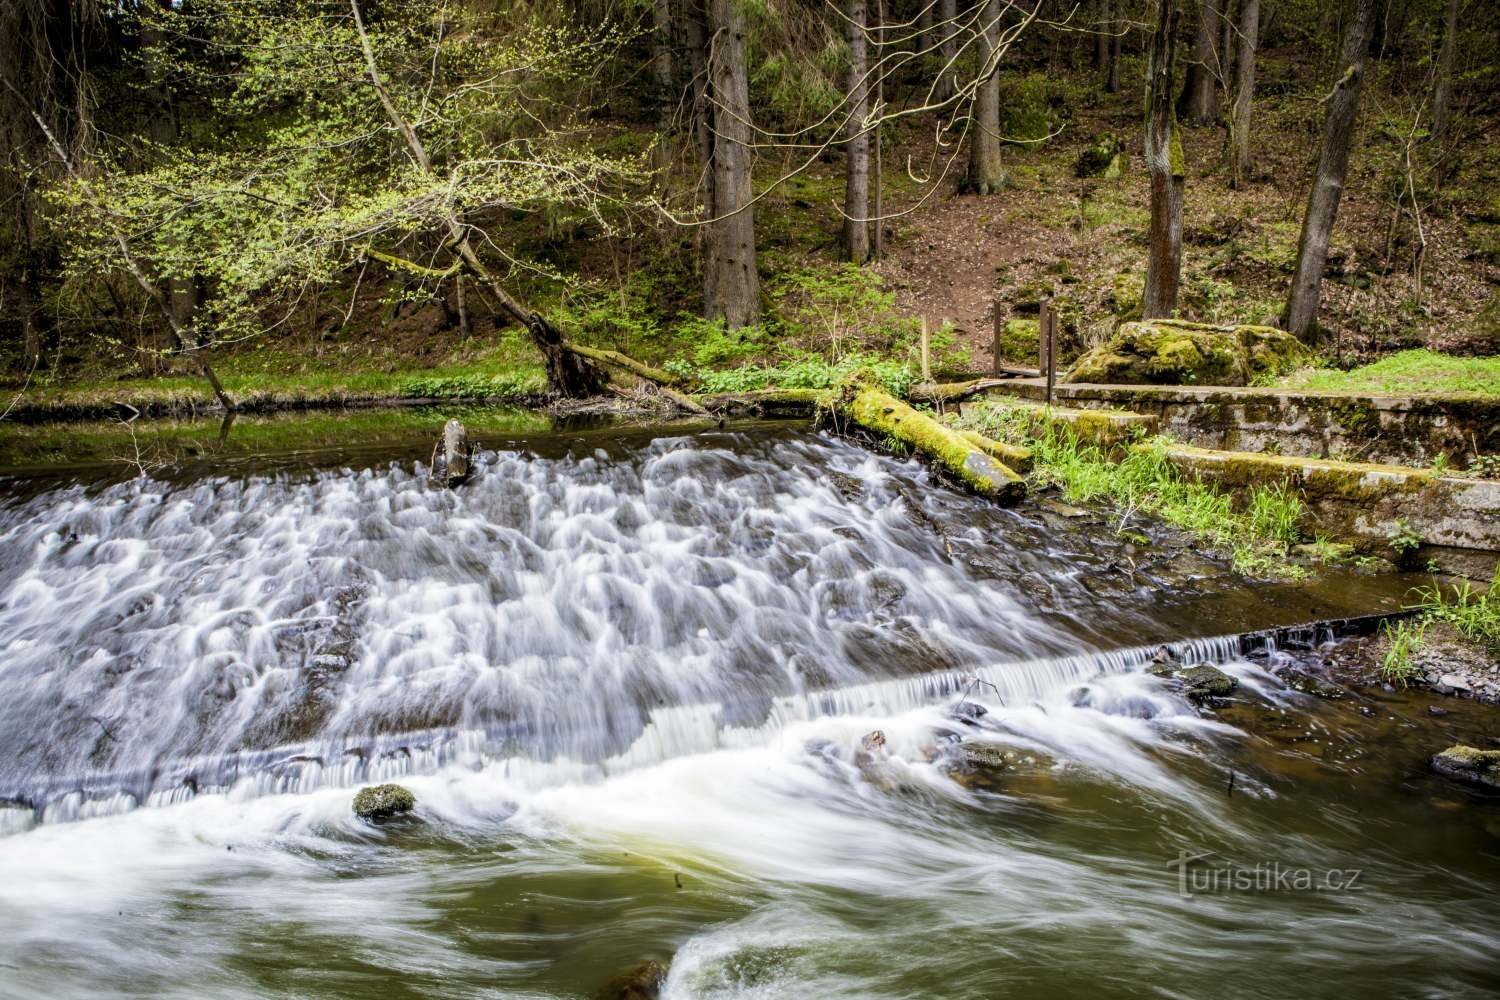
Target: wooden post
(926, 354)
(1041, 338)
(999, 332)
(1051, 353)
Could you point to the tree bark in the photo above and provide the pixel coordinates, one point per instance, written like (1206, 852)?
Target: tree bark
(1228, 42)
(1242, 163)
(1165, 167)
(1101, 35)
(857, 141)
(877, 180)
(1116, 44)
(948, 49)
(1328, 185)
(1199, 102)
(1442, 91)
(731, 284)
(661, 71)
(986, 172)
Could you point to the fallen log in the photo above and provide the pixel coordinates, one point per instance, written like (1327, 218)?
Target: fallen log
(614, 359)
(766, 402)
(882, 414)
(950, 392)
(1011, 455)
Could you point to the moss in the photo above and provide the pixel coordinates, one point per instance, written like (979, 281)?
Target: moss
(888, 417)
(1174, 352)
(380, 802)
(1128, 294)
(1012, 456)
(1020, 340)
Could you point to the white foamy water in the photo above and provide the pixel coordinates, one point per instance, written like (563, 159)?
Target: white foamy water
(630, 691)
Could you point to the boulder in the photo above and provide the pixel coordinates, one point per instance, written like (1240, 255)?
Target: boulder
(455, 447)
(1203, 682)
(1466, 763)
(1174, 352)
(642, 981)
(379, 802)
(1105, 157)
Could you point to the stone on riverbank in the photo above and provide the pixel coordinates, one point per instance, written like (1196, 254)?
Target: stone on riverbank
(380, 802)
(1466, 763)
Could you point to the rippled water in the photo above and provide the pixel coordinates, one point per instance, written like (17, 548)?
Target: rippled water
(628, 681)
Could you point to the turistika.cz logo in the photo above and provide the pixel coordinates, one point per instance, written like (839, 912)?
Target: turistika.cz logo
(1196, 876)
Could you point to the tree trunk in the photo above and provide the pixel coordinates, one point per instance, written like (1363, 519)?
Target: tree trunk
(986, 173)
(731, 285)
(1116, 44)
(1101, 35)
(857, 141)
(948, 49)
(1442, 91)
(1199, 102)
(1328, 185)
(1228, 43)
(1165, 166)
(661, 70)
(877, 181)
(1242, 164)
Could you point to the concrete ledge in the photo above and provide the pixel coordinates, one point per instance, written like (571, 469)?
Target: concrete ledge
(1364, 502)
(1102, 427)
(1412, 429)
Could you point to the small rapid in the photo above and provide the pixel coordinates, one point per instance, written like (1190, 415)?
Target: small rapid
(281, 633)
(785, 715)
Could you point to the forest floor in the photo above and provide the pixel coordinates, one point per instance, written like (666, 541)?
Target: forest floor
(950, 258)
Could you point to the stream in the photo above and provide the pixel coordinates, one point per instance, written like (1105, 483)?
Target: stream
(629, 675)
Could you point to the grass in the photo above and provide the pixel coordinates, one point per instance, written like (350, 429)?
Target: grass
(1473, 613)
(1406, 371)
(1258, 535)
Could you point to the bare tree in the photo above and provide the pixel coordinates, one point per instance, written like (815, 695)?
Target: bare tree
(948, 47)
(857, 145)
(986, 172)
(1333, 164)
(1240, 160)
(1165, 167)
(1442, 91)
(1199, 102)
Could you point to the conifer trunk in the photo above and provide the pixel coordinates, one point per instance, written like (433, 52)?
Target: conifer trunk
(857, 141)
(1164, 165)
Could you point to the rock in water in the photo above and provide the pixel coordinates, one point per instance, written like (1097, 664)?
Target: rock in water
(455, 453)
(641, 981)
(1204, 681)
(1466, 763)
(380, 802)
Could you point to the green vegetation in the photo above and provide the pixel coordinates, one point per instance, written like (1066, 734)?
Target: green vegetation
(1474, 614)
(1259, 535)
(1407, 371)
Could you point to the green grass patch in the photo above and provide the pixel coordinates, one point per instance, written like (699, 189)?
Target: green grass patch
(1258, 534)
(1472, 613)
(1407, 371)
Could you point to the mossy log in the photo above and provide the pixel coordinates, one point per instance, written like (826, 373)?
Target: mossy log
(883, 414)
(615, 359)
(950, 392)
(1010, 455)
(769, 402)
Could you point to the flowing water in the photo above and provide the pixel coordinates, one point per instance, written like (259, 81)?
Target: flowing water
(629, 677)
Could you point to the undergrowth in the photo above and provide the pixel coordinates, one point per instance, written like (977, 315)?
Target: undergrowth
(1473, 613)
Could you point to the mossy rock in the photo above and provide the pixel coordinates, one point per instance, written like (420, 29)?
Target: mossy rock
(1128, 294)
(1471, 764)
(1205, 681)
(1104, 157)
(1482, 334)
(1173, 352)
(380, 802)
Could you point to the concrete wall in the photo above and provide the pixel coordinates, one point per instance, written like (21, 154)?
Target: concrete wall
(1403, 430)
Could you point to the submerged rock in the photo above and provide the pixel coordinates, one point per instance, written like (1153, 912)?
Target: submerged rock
(1174, 352)
(380, 802)
(642, 981)
(1471, 764)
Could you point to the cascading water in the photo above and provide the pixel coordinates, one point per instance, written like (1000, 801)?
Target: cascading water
(629, 686)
